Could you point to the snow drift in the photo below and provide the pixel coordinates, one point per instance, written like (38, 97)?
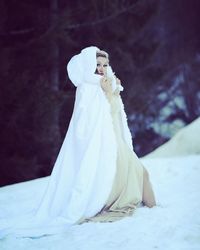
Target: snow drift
(173, 224)
(185, 142)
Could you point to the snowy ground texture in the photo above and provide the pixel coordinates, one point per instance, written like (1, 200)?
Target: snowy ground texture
(173, 224)
(185, 142)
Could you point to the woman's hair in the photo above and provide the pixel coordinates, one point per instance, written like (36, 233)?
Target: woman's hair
(102, 53)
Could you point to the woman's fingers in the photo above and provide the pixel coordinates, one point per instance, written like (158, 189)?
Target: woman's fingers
(106, 84)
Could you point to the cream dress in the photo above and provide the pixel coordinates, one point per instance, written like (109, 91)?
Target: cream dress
(126, 193)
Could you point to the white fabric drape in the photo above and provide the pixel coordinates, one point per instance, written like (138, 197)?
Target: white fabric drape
(83, 173)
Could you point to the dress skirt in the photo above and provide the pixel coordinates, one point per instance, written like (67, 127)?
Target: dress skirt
(127, 189)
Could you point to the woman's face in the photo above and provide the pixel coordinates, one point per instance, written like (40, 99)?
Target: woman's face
(102, 64)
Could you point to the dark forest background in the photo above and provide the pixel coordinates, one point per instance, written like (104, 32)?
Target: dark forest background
(154, 48)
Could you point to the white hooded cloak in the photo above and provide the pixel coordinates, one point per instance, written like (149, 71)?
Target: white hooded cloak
(84, 171)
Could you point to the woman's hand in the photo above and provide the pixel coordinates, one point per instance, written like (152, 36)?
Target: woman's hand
(106, 84)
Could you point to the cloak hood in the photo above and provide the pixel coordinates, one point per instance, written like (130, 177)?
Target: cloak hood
(81, 67)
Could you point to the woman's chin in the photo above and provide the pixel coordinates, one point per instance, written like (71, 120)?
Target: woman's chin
(98, 73)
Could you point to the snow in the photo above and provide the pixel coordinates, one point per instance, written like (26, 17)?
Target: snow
(185, 142)
(174, 224)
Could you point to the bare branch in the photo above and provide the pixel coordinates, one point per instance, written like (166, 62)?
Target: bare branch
(18, 32)
(101, 20)
(72, 26)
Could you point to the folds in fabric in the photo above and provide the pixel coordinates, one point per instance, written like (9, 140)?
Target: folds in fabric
(84, 171)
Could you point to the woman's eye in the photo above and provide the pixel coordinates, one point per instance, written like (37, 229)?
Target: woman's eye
(98, 64)
(105, 65)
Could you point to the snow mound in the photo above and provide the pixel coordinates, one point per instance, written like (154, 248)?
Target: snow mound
(174, 224)
(185, 142)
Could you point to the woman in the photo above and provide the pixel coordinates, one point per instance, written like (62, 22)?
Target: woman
(131, 185)
(96, 176)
